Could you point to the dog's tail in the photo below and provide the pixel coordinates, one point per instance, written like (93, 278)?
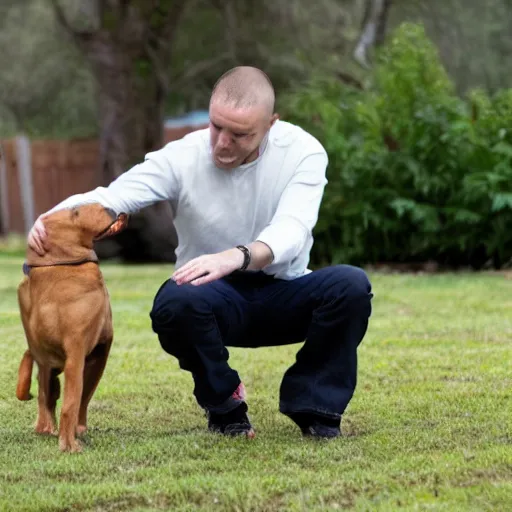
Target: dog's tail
(25, 377)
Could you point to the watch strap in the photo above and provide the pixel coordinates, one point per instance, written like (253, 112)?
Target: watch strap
(247, 256)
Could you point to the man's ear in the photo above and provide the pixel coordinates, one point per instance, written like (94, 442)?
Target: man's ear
(275, 117)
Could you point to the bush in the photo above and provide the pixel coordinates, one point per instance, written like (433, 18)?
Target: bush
(415, 173)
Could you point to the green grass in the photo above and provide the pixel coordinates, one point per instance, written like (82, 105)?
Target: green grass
(429, 427)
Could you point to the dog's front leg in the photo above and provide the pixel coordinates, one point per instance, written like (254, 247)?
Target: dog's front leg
(73, 384)
(94, 367)
(46, 401)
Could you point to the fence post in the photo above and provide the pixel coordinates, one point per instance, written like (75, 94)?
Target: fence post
(23, 151)
(4, 194)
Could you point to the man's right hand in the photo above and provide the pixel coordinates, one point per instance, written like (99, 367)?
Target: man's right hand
(37, 237)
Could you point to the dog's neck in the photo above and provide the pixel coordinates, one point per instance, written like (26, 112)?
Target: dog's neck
(61, 255)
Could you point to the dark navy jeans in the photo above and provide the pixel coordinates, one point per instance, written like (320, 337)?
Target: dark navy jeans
(328, 308)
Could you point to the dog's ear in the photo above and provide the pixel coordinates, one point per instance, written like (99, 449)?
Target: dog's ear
(120, 223)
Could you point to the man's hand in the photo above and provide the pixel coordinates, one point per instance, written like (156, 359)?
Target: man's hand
(209, 267)
(37, 237)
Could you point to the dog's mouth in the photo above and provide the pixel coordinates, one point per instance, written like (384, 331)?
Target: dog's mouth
(117, 225)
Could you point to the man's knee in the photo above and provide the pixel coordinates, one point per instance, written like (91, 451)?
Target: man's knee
(351, 284)
(172, 305)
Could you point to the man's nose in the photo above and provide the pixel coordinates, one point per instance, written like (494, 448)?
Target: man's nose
(224, 139)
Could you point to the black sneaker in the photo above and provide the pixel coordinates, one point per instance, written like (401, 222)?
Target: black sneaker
(232, 423)
(314, 425)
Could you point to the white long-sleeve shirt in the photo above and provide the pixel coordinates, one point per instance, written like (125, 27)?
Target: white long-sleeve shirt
(274, 199)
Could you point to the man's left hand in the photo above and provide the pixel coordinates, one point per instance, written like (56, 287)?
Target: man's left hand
(209, 267)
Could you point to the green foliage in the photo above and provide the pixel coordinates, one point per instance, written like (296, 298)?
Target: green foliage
(416, 173)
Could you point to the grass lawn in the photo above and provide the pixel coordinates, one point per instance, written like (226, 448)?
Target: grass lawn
(429, 428)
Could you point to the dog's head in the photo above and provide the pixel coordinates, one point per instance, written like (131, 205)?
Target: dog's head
(97, 222)
(71, 231)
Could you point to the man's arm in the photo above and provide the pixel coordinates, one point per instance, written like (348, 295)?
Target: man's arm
(297, 212)
(149, 182)
(295, 217)
(261, 255)
(146, 183)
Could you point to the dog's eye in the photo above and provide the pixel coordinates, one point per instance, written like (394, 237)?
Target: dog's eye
(75, 212)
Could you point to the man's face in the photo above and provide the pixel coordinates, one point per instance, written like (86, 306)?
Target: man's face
(236, 134)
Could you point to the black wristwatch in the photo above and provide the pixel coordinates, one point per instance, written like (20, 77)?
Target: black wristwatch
(247, 256)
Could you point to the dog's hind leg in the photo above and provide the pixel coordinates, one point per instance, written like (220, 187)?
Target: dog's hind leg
(93, 371)
(73, 385)
(46, 401)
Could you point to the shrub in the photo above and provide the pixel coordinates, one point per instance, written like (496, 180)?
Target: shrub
(415, 172)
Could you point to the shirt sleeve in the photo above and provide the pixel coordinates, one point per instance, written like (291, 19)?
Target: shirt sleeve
(146, 183)
(297, 211)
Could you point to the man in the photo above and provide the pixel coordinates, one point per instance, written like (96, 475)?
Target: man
(246, 194)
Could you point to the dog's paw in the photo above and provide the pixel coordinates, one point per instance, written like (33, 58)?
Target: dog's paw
(46, 429)
(70, 446)
(24, 396)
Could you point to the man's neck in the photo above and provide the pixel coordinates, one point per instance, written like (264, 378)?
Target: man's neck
(258, 151)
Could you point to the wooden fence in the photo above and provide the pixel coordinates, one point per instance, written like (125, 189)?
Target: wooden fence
(56, 170)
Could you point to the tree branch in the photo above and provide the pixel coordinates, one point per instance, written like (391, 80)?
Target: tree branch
(349, 80)
(231, 28)
(60, 16)
(227, 10)
(162, 34)
(198, 68)
(159, 68)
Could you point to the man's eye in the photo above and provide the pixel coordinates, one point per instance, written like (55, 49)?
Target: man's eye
(239, 135)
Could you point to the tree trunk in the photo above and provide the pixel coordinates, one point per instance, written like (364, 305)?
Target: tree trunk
(130, 106)
(373, 29)
(128, 51)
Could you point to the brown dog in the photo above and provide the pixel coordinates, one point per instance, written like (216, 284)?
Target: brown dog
(66, 315)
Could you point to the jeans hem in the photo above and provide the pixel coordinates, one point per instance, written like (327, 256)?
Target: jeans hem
(310, 410)
(223, 408)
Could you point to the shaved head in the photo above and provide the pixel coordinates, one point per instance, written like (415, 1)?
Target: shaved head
(241, 115)
(245, 87)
